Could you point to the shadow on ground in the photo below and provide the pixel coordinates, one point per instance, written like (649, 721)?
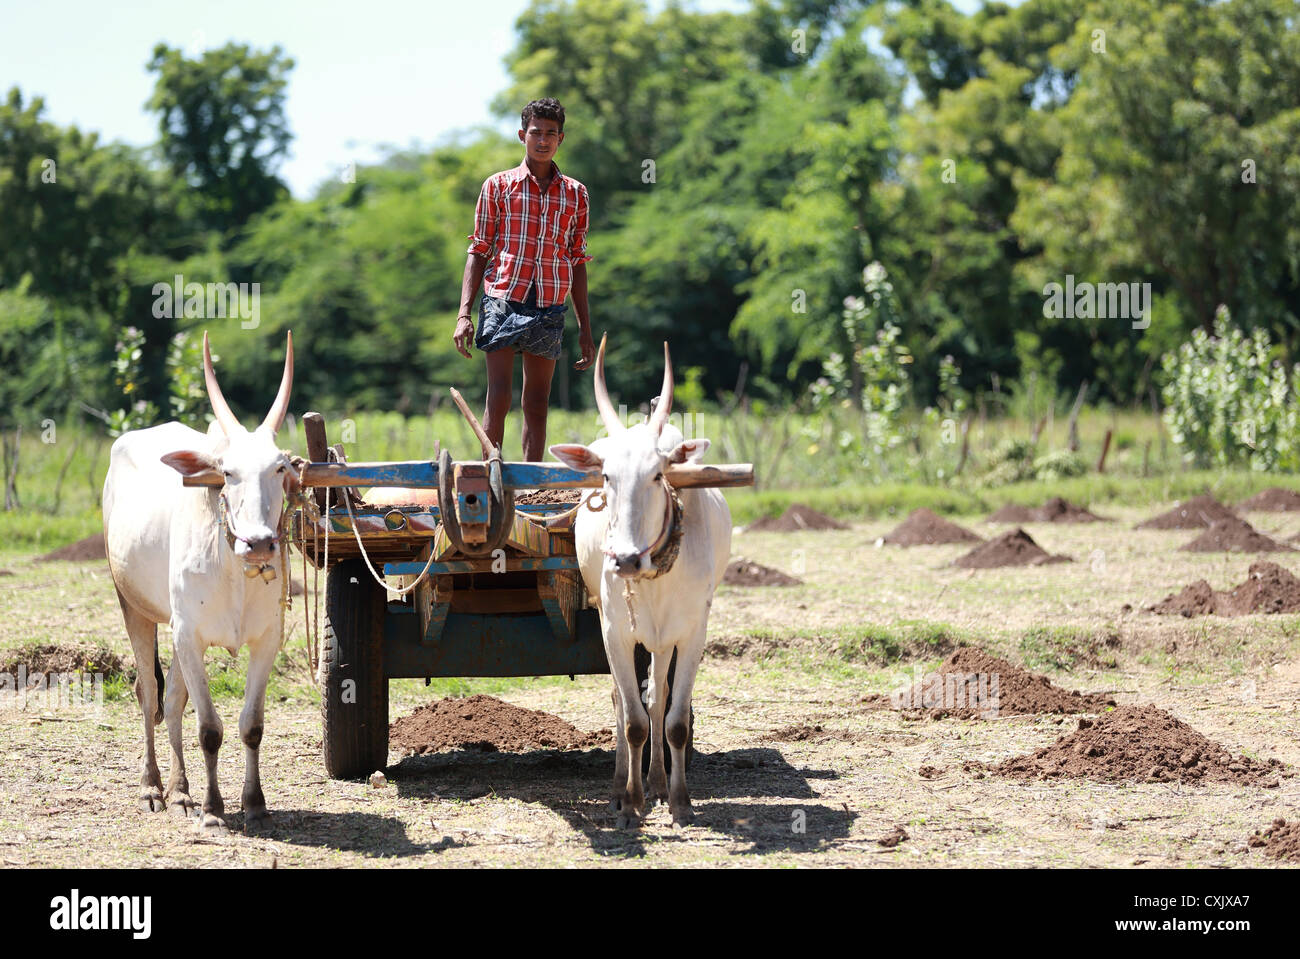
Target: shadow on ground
(576, 786)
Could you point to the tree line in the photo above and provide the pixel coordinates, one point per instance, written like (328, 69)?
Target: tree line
(746, 170)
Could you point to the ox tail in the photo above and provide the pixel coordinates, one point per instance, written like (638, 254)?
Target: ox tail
(162, 687)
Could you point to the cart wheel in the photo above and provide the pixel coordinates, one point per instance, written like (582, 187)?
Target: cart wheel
(641, 657)
(354, 698)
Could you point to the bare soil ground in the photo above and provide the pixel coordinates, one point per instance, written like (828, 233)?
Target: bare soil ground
(797, 763)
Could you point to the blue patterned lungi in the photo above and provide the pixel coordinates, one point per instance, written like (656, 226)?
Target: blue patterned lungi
(521, 326)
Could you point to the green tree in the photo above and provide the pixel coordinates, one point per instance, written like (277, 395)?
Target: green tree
(222, 127)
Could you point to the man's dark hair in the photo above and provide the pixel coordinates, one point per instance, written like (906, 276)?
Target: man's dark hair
(548, 108)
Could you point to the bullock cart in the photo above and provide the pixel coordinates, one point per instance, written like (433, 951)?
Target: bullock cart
(467, 582)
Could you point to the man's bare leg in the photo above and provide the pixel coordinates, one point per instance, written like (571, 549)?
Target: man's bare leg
(535, 402)
(500, 370)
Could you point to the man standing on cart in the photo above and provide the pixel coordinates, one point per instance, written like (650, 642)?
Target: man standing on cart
(529, 250)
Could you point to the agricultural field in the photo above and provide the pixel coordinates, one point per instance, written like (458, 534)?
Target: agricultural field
(802, 757)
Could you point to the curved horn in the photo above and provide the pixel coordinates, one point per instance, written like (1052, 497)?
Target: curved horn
(281, 405)
(225, 418)
(665, 404)
(607, 414)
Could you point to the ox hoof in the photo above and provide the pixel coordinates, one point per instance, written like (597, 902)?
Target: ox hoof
(152, 801)
(210, 825)
(683, 817)
(628, 820)
(256, 822)
(183, 807)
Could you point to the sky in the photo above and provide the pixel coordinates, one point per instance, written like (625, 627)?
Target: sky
(400, 73)
(366, 75)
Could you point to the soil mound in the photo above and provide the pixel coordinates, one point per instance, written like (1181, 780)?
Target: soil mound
(972, 684)
(1198, 512)
(1012, 513)
(743, 572)
(924, 528)
(1233, 535)
(488, 724)
(92, 547)
(807, 733)
(1058, 510)
(1055, 510)
(547, 496)
(1275, 499)
(1144, 743)
(1014, 548)
(1268, 589)
(1279, 841)
(796, 517)
(62, 658)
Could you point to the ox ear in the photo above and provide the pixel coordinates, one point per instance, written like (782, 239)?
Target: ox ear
(688, 450)
(189, 462)
(578, 457)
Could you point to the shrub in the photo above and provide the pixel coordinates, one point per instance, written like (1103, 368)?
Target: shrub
(1228, 401)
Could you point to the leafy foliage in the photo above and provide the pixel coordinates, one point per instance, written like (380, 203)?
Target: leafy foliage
(1229, 401)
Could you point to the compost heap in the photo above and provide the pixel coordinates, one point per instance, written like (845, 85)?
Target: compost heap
(952, 692)
(1139, 742)
(1195, 513)
(488, 724)
(1013, 548)
(924, 528)
(796, 517)
(1268, 589)
(744, 572)
(1055, 510)
(1280, 841)
(1233, 535)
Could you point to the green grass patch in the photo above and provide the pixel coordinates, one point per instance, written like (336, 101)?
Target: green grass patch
(1064, 647)
(32, 531)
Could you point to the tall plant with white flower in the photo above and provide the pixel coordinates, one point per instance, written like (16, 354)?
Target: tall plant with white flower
(1229, 401)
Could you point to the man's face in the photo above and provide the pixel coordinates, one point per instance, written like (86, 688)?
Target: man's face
(541, 139)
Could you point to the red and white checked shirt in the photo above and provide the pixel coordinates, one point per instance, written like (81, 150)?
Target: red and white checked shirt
(528, 235)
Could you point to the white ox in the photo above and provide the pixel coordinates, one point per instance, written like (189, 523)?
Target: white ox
(173, 562)
(624, 549)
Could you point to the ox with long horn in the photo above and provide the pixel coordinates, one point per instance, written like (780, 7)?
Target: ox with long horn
(654, 556)
(204, 561)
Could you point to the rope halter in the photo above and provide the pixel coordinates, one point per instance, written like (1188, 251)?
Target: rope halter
(663, 551)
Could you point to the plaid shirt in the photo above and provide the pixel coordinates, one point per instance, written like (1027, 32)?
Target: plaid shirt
(529, 235)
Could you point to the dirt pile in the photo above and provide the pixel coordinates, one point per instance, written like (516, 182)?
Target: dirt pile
(1233, 535)
(1014, 513)
(808, 733)
(1279, 841)
(62, 658)
(1275, 499)
(1268, 589)
(92, 547)
(1014, 548)
(797, 517)
(1143, 743)
(744, 572)
(973, 684)
(1055, 510)
(924, 528)
(548, 496)
(488, 724)
(1198, 512)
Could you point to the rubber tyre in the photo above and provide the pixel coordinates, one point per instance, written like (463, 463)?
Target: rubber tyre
(641, 658)
(355, 731)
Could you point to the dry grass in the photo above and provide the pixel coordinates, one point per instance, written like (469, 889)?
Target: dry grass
(863, 619)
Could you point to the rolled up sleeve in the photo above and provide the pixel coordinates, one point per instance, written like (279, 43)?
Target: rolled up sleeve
(482, 240)
(576, 246)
